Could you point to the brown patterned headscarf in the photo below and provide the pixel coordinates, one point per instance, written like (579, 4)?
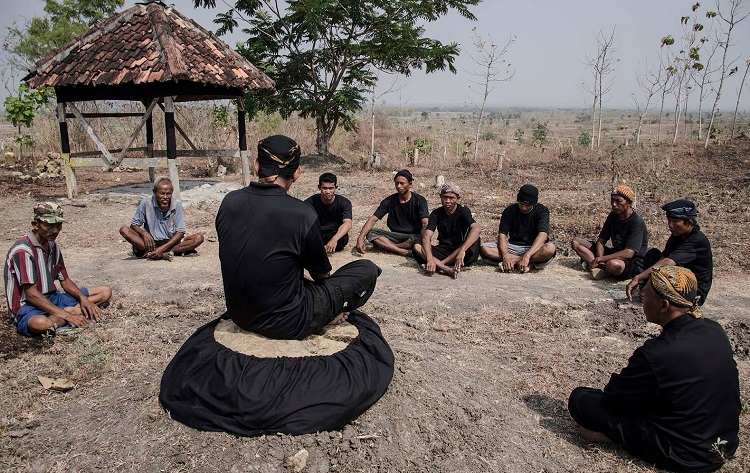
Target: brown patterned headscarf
(679, 286)
(278, 155)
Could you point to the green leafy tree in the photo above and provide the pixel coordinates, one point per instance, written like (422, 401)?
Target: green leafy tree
(539, 133)
(325, 54)
(22, 110)
(63, 21)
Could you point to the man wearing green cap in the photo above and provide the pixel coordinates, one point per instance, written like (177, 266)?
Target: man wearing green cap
(33, 264)
(677, 402)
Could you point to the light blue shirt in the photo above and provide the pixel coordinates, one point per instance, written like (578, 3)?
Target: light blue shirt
(161, 226)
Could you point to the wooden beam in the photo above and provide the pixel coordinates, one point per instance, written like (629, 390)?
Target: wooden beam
(108, 115)
(182, 133)
(139, 163)
(137, 130)
(173, 172)
(70, 175)
(106, 156)
(242, 134)
(160, 153)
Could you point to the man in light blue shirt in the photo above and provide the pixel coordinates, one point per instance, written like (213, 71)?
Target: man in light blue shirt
(158, 227)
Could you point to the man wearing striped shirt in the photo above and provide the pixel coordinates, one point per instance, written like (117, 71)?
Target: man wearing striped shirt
(32, 266)
(158, 227)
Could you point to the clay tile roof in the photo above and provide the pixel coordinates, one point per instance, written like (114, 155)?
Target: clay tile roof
(148, 43)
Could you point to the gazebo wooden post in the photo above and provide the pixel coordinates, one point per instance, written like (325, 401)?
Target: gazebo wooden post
(242, 132)
(70, 175)
(150, 147)
(171, 146)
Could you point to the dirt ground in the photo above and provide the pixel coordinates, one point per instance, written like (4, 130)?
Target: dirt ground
(484, 364)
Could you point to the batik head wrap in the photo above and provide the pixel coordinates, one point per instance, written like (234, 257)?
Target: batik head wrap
(626, 192)
(278, 155)
(679, 286)
(451, 187)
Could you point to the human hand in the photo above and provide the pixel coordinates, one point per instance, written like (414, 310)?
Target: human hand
(148, 240)
(331, 246)
(507, 264)
(89, 309)
(597, 262)
(630, 287)
(155, 254)
(76, 319)
(361, 245)
(430, 267)
(524, 264)
(459, 263)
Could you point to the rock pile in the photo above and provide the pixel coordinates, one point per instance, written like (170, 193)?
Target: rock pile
(52, 166)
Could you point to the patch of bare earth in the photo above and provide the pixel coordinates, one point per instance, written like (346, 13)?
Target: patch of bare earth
(484, 364)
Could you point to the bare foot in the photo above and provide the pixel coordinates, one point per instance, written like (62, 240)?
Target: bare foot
(340, 318)
(592, 436)
(455, 272)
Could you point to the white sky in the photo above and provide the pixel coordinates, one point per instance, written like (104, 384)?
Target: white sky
(553, 38)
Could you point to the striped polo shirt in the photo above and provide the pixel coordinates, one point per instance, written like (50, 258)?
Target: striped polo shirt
(27, 264)
(161, 226)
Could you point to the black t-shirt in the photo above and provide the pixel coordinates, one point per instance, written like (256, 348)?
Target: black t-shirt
(332, 215)
(693, 251)
(406, 217)
(629, 233)
(266, 239)
(452, 229)
(522, 228)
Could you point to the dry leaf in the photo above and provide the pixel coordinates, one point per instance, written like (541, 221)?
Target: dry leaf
(56, 384)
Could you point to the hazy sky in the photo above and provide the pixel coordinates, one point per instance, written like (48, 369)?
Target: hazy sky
(553, 38)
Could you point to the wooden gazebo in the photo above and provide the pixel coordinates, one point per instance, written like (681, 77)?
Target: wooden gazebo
(152, 54)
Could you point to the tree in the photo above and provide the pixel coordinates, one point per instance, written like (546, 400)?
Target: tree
(649, 83)
(323, 54)
(63, 21)
(730, 20)
(739, 94)
(489, 57)
(601, 67)
(22, 110)
(686, 61)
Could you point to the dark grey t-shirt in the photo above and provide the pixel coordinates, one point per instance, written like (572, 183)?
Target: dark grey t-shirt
(522, 228)
(629, 233)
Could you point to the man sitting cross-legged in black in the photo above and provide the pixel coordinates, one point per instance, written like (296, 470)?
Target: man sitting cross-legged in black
(267, 239)
(627, 230)
(677, 402)
(407, 216)
(334, 213)
(458, 235)
(523, 234)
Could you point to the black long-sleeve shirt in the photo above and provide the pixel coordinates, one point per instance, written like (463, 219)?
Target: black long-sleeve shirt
(684, 387)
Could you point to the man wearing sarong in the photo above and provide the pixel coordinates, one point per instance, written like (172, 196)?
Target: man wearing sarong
(407, 216)
(687, 246)
(458, 235)
(267, 239)
(523, 235)
(627, 231)
(677, 402)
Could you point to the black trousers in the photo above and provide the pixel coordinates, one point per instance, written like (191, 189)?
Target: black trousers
(346, 289)
(634, 433)
(340, 244)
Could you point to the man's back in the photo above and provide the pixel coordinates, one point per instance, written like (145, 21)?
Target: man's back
(266, 239)
(685, 383)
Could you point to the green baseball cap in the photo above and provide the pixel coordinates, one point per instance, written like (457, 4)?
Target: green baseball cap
(48, 212)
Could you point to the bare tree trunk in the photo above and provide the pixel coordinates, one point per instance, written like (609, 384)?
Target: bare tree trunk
(731, 21)
(739, 94)
(321, 138)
